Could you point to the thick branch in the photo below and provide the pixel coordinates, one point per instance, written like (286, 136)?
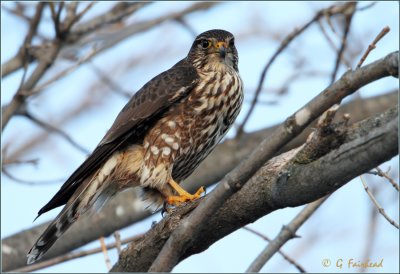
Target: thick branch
(280, 183)
(227, 155)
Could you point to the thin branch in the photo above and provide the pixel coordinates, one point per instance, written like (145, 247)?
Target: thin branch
(371, 236)
(367, 6)
(61, 74)
(56, 16)
(287, 232)
(332, 44)
(28, 182)
(385, 175)
(72, 256)
(77, 17)
(105, 253)
(18, 60)
(186, 26)
(17, 12)
(54, 129)
(348, 18)
(71, 11)
(284, 255)
(109, 82)
(190, 228)
(327, 12)
(119, 12)
(118, 242)
(378, 206)
(5, 162)
(372, 46)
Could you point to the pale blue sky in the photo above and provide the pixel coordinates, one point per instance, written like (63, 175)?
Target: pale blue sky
(339, 227)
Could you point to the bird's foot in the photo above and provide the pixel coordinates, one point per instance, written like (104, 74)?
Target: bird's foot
(184, 197)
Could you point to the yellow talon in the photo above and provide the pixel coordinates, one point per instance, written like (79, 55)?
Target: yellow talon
(183, 195)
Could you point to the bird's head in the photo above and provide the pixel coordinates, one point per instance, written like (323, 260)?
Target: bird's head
(214, 49)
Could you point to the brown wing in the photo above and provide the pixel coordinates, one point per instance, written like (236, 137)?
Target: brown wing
(142, 110)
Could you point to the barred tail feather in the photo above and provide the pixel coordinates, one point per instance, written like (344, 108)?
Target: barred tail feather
(77, 205)
(93, 193)
(54, 231)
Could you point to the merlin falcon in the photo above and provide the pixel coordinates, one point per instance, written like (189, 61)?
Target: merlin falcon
(158, 139)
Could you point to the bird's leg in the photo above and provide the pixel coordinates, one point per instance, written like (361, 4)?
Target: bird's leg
(183, 196)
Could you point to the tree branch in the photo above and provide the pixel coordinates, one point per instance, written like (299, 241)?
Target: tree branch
(284, 255)
(287, 232)
(18, 60)
(378, 206)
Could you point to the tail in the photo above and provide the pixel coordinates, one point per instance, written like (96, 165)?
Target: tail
(54, 231)
(93, 192)
(83, 199)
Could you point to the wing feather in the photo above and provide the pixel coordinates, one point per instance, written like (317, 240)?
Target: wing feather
(131, 124)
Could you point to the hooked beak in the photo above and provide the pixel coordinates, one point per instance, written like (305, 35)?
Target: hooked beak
(222, 47)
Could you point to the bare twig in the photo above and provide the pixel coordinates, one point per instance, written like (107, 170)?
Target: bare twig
(385, 175)
(372, 46)
(371, 236)
(5, 162)
(56, 16)
(17, 11)
(54, 129)
(61, 74)
(331, 43)
(77, 17)
(284, 255)
(287, 232)
(105, 253)
(367, 6)
(190, 228)
(348, 14)
(186, 26)
(117, 237)
(378, 206)
(28, 182)
(71, 11)
(71, 256)
(18, 60)
(109, 82)
(89, 101)
(117, 13)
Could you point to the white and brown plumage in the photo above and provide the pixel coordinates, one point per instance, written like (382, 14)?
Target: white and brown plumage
(161, 135)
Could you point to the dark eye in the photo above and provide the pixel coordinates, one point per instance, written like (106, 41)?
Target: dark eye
(232, 42)
(205, 43)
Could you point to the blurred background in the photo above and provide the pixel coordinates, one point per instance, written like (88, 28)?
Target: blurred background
(78, 98)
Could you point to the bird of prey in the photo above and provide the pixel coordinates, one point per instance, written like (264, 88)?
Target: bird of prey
(161, 135)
